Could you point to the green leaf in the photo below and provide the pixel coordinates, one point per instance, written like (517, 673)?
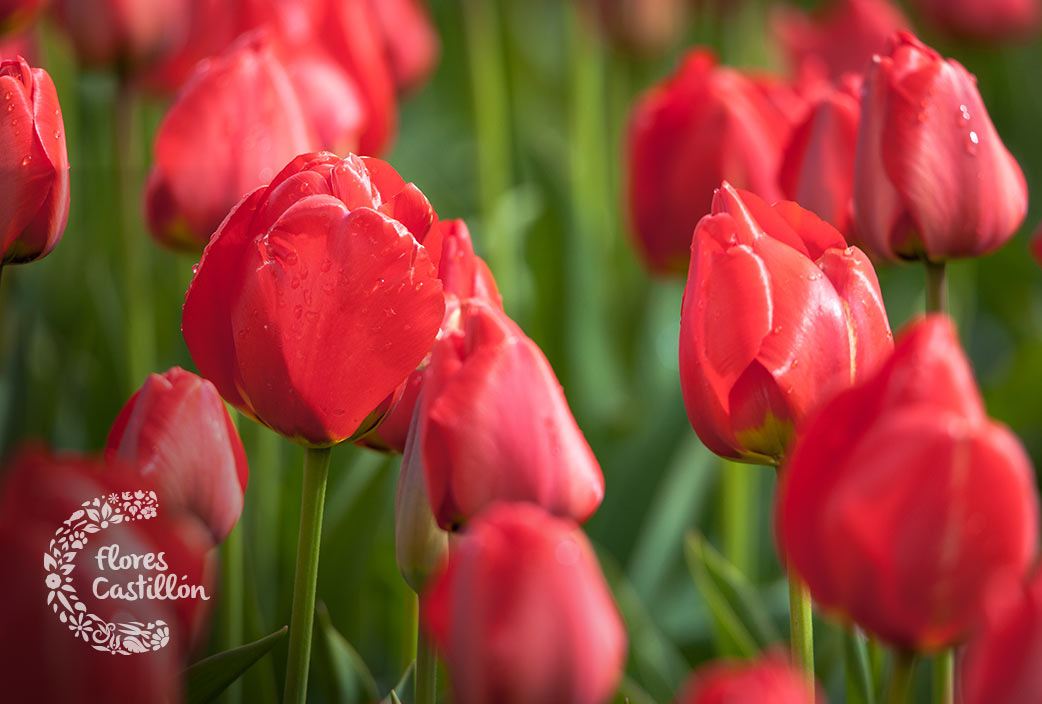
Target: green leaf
(352, 680)
(210, 676)
(404, 685)
(743, 625)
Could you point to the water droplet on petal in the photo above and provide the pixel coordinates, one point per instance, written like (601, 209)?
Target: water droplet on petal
(298, 311)
(971, 143)
(294, 283)
(26, 160)
(195, 269)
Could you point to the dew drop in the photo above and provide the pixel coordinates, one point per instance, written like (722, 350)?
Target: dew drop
(195, 269)
(971, 143)
(311, 315)
(7, 95)
(242, 334)
(294, 283)
(777, 330)
(389, 312)
(964, 115)
(795, 363)
(338, 412)
(291, 259)
(921, 116)
(10, 107)
(26, 160)
(57, 134)
(298, 311)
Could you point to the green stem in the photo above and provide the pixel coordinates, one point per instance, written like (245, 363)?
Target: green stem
(944, 677)
(426, 668)
(312, 502)
(860, 687)
(901, 678)
(736, 499)
(936, 287)
(410, 638)
(232, 590)
(801, 624)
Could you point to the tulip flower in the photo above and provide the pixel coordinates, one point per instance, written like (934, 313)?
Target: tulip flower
(34, 164)
(1000, 663)
(1036, 244)
(817, 169)
(15, 14)
(778, 315)
(410, 39)
(521, 612)
(176, 430)
(840, 39)
(932, 179)
(770, 680)
(495, 425)
(988, 20)
(703, 125)
(122, 32)
(317, 297)
(902, 500)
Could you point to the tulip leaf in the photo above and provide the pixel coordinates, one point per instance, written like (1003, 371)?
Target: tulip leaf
(352, 680)
(404, 684)
(210, 676)
(860, 687)
(741, 621)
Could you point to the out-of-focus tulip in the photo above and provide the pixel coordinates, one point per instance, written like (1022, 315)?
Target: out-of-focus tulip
(330, 100)
(931, 178)
(703, 125)
(902, 500)
(34, 164)
(841, 39)
(770, 680)
(1036, 244)
(817, 169)
(55, 659)
(176, 430)
(521, 613)
(988, 20)
(496, 426)
(778, 315)
(641, 26)
(1000, 664)
(210, 151)
(15, 14)
(23, 45)
(317, 297)
(410, 40)
(419, 543)
(126, 33)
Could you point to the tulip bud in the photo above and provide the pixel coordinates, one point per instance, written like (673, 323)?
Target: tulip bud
(770, 680)
(902, 500)
(931, 177)
(175, 430)
(34, 165)
(1000, 663)
(522, 613)
(703, 125)
(817, 169)
(988, 20)
(122, 32)
(496, 427)
(410, 40)
(317, 298)
(778, 315)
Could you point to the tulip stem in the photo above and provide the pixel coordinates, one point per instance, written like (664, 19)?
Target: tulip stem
(737, 497)
(901, 678)
(801, 624)
(944, 677)
(232, 588)
(936, 287)
(302, 619)
(426, 667)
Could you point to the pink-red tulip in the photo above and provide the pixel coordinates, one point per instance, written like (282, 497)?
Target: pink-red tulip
(817, 169)
(15, 45)
(902, 500)
(176, 430)
(34, 164)
(841, 39)
(1036, 244)
(493, 425)
(988, 20)
(1000, 664)
(703, 125)
(931, 178)
(778, 315)
(521, 613)
(317, 297)
(770, 680)
(410, 40)
(126, 33)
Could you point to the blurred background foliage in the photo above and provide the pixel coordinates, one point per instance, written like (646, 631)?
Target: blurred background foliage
(520, 132)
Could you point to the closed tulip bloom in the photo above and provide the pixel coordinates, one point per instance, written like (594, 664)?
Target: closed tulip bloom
(902, 500)
(522, 614)
(770, 680)
(817, 168)
(125, 33)
(778, 315)
(495, 425)
(34, 164)
(410, 40)
(1000, 663)
(703, 125)
(931, 178)
(317, 297)
(988, 20)
(176, 430)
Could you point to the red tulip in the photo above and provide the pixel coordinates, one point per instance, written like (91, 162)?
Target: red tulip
(840, 39)
(989, 20)
(16, 14)
(34, 165)
(330, 99)
(317, 297)
(521, 613)
(817, 169)
(176, 430)
(24, 44)
(1036, 244)
(410, 40)
(778, 315)
(123, 32)
(902, 500)
(494, 425)
(770, 680)
(1000, 664)
(931, 178)
(705, 124)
